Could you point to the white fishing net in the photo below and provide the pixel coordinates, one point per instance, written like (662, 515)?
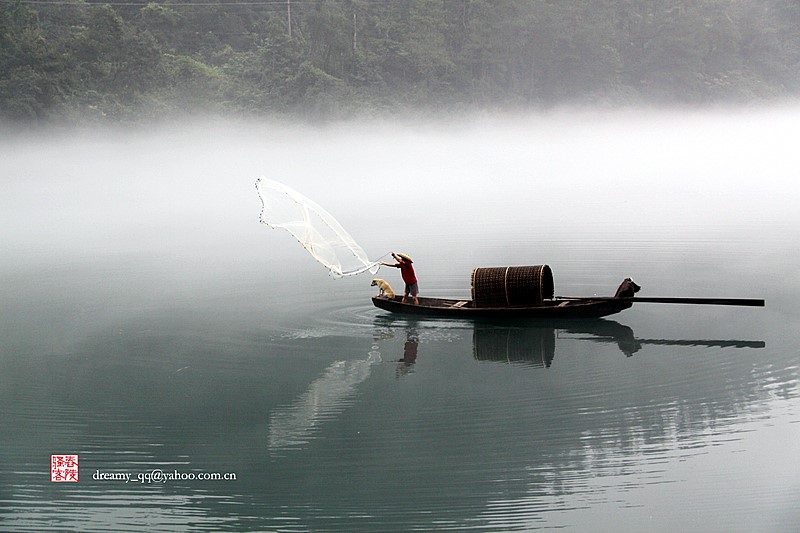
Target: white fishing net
(316, 229)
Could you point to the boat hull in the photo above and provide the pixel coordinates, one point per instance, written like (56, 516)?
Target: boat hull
(551, 309)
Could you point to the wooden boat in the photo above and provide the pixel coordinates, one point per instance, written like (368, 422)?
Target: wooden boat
(527, 292)
(563, 307)
(550, 309)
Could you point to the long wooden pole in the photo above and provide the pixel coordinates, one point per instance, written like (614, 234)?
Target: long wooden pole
(749, 302)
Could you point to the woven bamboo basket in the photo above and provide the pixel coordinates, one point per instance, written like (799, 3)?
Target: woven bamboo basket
(514, 286)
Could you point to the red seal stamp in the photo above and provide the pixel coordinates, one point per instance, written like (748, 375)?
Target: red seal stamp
(64, 468)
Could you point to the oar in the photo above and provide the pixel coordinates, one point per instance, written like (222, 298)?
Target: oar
(750, 302)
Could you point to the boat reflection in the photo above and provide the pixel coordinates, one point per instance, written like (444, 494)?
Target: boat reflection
(535, 345)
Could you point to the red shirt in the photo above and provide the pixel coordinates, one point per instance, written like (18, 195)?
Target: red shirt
(407, 271)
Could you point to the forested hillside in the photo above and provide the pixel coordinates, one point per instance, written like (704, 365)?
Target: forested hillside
(126, 60)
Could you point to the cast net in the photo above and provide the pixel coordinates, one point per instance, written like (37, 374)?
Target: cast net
(316, 229)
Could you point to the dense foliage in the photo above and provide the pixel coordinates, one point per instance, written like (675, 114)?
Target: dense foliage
(76, 59)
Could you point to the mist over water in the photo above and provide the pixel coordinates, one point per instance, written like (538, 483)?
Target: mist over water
(659, 169)
(147, 318)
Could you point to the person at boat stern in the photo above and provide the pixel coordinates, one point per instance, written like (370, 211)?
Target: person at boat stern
(404, 263)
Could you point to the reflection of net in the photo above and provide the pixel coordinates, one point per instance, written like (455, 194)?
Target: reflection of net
(316, 229)
(326, 397)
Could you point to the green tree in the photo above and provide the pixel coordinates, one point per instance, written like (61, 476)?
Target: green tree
(30, 75)
(120, 60)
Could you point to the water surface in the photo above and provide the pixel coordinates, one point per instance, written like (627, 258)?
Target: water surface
(148, 322)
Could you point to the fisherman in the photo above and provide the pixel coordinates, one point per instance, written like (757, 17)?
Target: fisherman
(409, 277)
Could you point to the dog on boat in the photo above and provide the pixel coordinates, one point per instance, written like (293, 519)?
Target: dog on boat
(384, 288)
(627, 289)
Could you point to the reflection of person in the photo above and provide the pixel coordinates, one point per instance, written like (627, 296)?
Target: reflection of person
(410, 351)
(409, 354)
(404, 263)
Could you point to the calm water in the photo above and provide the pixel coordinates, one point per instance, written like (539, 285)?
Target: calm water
(149, 323)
